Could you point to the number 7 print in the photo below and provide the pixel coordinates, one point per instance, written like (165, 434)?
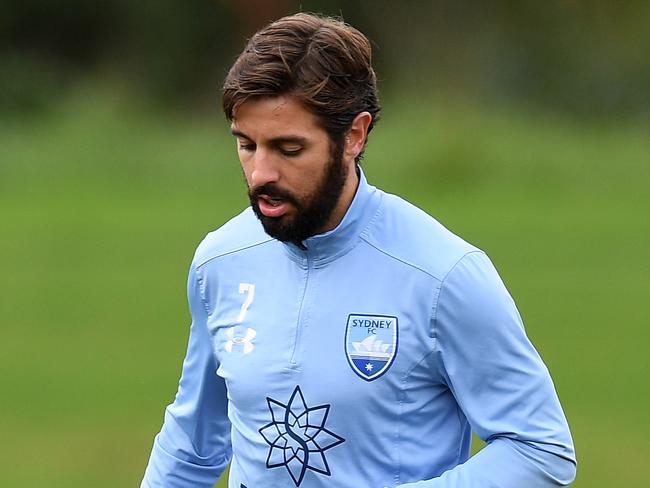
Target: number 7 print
(248, 288)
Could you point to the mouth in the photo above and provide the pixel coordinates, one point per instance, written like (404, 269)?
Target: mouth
(272, 206)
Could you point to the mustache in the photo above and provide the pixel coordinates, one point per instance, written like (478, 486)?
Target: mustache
(273, 191)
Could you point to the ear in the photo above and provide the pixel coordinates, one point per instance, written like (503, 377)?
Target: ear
(355, 139)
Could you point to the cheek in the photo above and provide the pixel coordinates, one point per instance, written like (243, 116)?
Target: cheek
(247, 176)
(246, 167)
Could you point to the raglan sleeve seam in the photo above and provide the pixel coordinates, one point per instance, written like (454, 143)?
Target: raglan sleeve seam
(438, 292)
(200, 287)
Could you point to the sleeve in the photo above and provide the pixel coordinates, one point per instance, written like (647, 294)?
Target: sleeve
(501, 385)
(193, 447)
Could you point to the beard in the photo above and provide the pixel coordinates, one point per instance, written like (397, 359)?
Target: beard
(312, 211)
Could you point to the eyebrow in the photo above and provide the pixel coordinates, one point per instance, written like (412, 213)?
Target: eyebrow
(292, 139)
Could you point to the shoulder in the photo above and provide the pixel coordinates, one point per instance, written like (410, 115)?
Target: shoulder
(241, 232)
(408, 234)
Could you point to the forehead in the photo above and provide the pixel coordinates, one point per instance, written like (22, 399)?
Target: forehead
(272, 117)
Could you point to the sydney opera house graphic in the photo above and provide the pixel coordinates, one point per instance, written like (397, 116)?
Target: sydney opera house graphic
(371, 356)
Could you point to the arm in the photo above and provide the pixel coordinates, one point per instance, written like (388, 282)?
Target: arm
(193, 446)
(501, 385)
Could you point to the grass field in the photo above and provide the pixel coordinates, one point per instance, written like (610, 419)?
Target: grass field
(102, 204)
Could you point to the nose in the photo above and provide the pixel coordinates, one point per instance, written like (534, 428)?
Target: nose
(264, 169)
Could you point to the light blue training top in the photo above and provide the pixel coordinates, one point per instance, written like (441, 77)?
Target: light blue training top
(364, 360)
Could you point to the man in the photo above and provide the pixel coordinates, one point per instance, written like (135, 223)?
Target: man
(340, 336)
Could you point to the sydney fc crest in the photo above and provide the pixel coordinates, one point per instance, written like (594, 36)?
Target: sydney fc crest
(371, 344)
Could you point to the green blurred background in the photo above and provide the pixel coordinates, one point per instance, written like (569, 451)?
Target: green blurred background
(522, 126)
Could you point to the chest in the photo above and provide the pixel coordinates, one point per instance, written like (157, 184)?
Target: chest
(352, 329)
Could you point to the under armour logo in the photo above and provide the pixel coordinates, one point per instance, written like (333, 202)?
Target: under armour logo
(246, 341)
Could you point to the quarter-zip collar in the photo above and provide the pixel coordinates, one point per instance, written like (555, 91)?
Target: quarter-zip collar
(329, 245)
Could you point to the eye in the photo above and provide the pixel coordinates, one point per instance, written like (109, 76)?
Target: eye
(244, 146)
(290, 152)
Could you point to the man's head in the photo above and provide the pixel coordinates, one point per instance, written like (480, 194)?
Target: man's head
(302, 98)
(322, 62)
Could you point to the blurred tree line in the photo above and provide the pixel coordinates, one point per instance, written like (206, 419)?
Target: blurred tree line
(587, 57)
